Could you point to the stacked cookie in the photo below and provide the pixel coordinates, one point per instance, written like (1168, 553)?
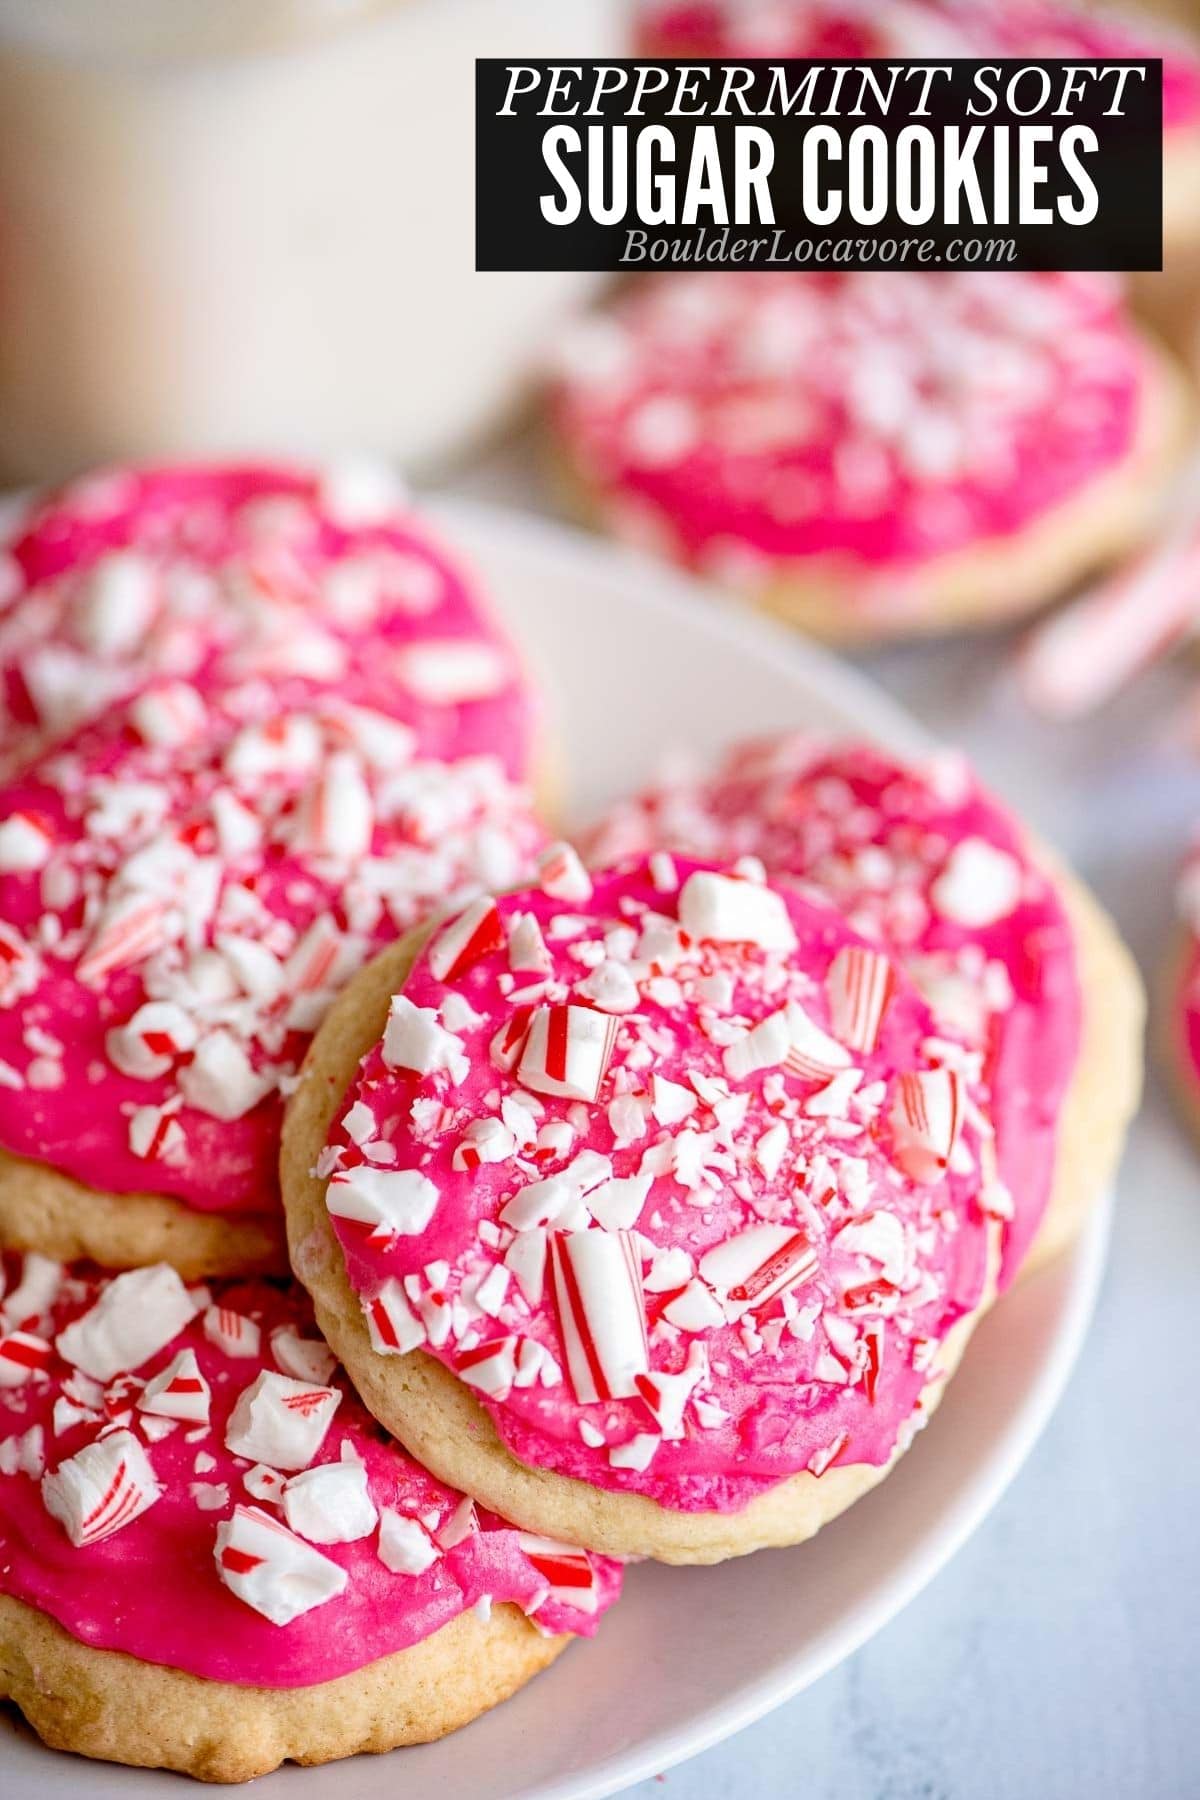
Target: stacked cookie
(646, 1199)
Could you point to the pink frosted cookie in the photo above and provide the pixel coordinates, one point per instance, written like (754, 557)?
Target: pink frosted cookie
(656, 1209)
(212, 1559)
(871, 453)
(842, 30)
(1011, 954)
(258, 725)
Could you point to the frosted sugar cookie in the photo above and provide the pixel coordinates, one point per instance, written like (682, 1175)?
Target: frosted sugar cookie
(211, 1558)
(258, 724)
(869, 454)
(1012, 954)
(652, 1207)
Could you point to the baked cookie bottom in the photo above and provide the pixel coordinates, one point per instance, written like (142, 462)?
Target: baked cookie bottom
(995, 580)
(43, 1209)
(438, 1420)
(110, 1706)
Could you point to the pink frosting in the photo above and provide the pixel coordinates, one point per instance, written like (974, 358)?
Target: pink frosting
(258, 723)
(736, 421)
(152, 1588)
(528, 1238)
(840, 29)
(881, 837)
(1185, 1022)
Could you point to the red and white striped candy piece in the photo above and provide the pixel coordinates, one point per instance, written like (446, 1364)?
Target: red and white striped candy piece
(859, 985)
(926, 1118)
(601, 1312)
(484, 1141)
(26, 840)
(137, 1315)
(723, 909)
(757, 1264)
(567, 1570)
(179, 1392)
(567, 1051)
(131, 928)
(394, 1202)
(20, 969)
(812, 1053)
(271, 1569)
(101, 1489)
(337, 817)
(561, 874)
(665, 1396)
(508, 1044)
(22, 1356)
(475, 933)
(152, 1041)
(280, 1422)
(491, 1366)
(232, 1331)
(393, 1326)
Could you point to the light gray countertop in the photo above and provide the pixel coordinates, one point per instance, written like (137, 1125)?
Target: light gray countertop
(1055, 1657)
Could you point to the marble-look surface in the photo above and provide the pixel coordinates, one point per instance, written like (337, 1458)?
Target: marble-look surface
(1055, 1657)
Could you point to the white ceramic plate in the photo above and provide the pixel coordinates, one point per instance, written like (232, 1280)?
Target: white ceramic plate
(640, 662)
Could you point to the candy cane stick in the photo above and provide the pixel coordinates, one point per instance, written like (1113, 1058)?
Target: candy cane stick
(1079, 658)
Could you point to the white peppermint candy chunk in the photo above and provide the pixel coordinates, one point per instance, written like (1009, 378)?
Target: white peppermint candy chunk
(130, 928)
(753, 1266)
(337, 817)
(101, 1489)
(611, 988)
(137, 1315)
(812, 1053)
(567, 1051)
(384, 744)
(151, 1041)
(396, 1202)
(475, 933)
(859, 985)
(561, 874)
(232, 1332)
(285, 746)
(720, 909)
(280, 1422)
(221, 1080)
(880, 1237)
(256, 968)
(308, 1359)
(405, 1547)
(264, 1484)
(116, 603)
(638, 1453)
(330, 1504)
(694, 1309)
(35, 1293)
(484, 1141)
(26, 840)
(598, 1292)
(239, 832)
(271, 1569)
(978, 885)
(926, 1118)
(526, 1257)
(490, 1366)
(671, 1102)
(168, 715)
(449, 671)
(666, 1396)
(393, 1326)
(617, 1205)
(764, 1046)
(415, 1040)
(178, 1392)
(527, 952)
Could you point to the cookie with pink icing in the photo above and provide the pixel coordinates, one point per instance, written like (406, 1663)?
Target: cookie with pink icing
(871, 453)
(848, 30)
(258, 723)
(652, 1201)
(1009, 953)
(195, 1507)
